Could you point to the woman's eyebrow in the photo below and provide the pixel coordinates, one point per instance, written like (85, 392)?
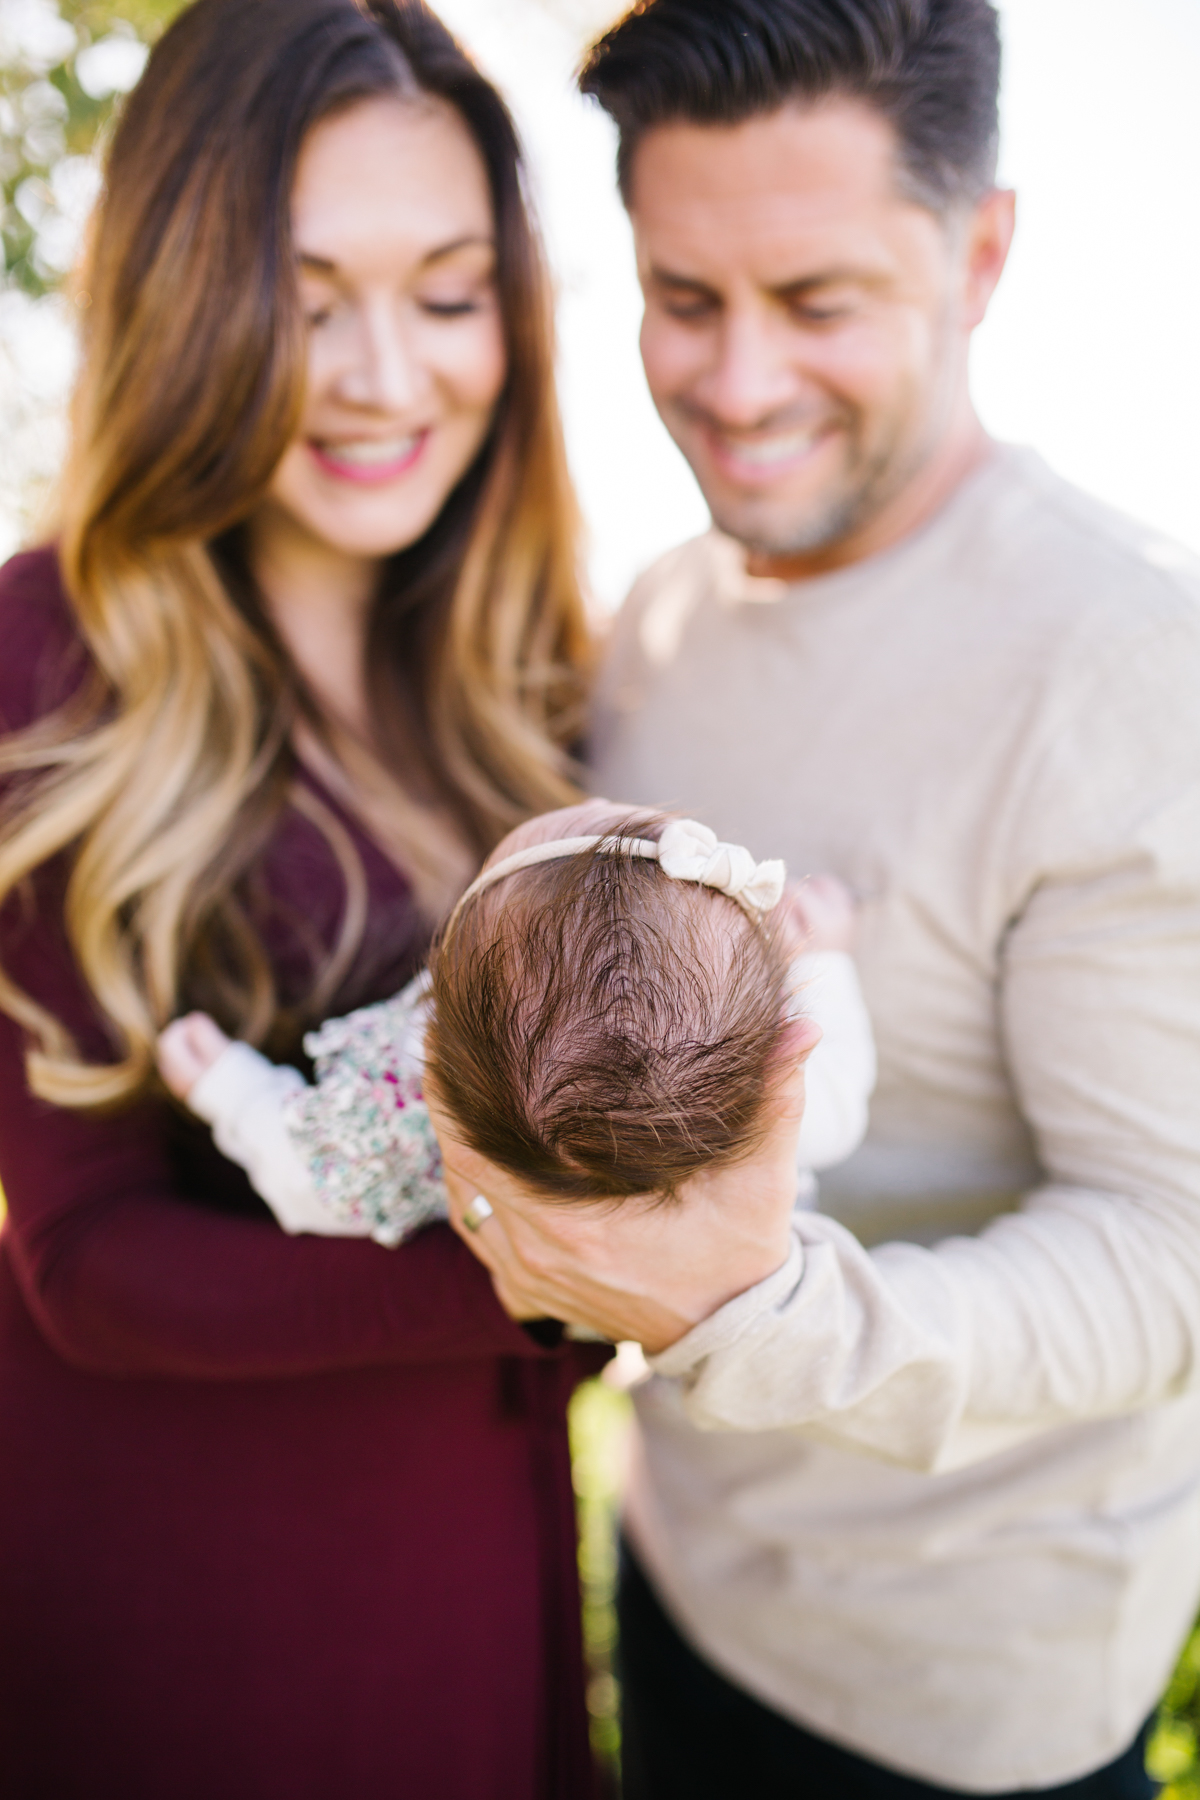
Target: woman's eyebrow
(326, 265)
(462, 243)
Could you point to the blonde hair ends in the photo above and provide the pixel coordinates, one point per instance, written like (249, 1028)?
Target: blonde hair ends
(164, 777)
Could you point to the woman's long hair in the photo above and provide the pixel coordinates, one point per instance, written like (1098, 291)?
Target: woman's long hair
(164, 777)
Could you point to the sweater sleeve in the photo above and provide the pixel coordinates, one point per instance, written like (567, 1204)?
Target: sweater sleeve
(1086, 1301)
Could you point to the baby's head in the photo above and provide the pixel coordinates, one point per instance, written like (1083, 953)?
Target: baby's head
(599, 1028)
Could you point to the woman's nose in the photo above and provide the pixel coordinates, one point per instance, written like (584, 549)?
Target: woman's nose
(385, 372)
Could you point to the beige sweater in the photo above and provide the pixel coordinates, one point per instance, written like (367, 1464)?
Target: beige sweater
(940, 1499)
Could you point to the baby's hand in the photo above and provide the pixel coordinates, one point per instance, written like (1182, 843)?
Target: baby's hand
(819, 911)
(186, 1049)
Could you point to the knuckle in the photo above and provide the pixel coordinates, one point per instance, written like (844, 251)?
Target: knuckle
(539, 1263)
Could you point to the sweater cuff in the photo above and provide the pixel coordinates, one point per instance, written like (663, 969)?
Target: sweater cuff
(724, 1327)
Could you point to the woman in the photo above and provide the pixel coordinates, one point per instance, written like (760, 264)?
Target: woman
(278, 1517)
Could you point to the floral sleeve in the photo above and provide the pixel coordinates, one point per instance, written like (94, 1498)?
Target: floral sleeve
(363, 1129)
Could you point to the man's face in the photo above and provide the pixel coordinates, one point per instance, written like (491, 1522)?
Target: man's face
(806, 324)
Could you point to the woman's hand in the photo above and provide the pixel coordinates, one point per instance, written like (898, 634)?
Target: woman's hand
(643, 1268)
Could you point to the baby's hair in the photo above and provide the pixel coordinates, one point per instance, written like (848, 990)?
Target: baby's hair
(601, 1030)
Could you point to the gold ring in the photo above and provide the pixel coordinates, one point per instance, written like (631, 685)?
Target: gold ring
(476, 1213)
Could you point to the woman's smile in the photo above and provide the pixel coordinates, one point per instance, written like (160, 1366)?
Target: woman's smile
(395, 248)
(369, 461)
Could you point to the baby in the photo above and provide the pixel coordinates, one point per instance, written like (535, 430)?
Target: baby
(604, 1015)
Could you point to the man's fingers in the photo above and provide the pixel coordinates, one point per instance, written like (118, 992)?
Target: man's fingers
(486, 1238)
(479, 1235)
(490, 1245)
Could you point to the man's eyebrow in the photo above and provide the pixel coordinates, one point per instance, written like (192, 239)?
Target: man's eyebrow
(668, 278)
(807, 284)
(325, 265)
(784, 290)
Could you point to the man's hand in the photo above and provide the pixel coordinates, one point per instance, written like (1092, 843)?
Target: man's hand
(645, 1268)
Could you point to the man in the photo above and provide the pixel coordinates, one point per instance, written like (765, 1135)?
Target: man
(922, 1518)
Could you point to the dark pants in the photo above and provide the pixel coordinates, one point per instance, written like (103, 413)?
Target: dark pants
(688, 1734)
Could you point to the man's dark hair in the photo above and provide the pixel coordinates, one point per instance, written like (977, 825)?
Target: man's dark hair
(930, 67)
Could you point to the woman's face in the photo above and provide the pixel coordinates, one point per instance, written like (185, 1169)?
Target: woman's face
(395, 238)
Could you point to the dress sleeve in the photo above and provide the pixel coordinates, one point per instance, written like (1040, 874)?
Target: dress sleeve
(125, 1275)
(1085, 1302)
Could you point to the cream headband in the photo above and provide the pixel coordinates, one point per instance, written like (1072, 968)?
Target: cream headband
(686, 851)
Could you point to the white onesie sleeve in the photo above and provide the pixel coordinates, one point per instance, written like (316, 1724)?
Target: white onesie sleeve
(840, 1074)
(355, 1154)
(241, 1096)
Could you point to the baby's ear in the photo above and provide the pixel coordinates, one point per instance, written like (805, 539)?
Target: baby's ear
(798, 1038)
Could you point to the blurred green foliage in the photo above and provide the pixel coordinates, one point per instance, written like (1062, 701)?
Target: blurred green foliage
(1174, 1755)
(600, 1422)
(53, 109)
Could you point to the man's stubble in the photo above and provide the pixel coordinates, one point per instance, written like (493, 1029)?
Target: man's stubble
(884, 454)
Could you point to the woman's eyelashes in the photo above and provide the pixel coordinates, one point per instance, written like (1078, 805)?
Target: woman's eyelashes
(452, 309)
(459, 294)
(321, 307)
(322, 313)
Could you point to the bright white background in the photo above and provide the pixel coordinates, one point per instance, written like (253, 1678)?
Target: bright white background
(1090, 352)
(1091, 349)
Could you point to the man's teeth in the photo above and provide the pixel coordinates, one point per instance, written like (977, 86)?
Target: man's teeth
(769, 451)
(367, 451)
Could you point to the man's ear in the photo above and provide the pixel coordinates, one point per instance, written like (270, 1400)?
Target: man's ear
(989, 236)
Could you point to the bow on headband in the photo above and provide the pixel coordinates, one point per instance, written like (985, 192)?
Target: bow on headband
(687, 851)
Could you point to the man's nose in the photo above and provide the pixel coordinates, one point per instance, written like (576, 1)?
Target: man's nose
(385, 373)
(751, 375)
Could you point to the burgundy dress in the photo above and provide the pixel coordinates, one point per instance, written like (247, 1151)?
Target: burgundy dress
(280, 1518)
